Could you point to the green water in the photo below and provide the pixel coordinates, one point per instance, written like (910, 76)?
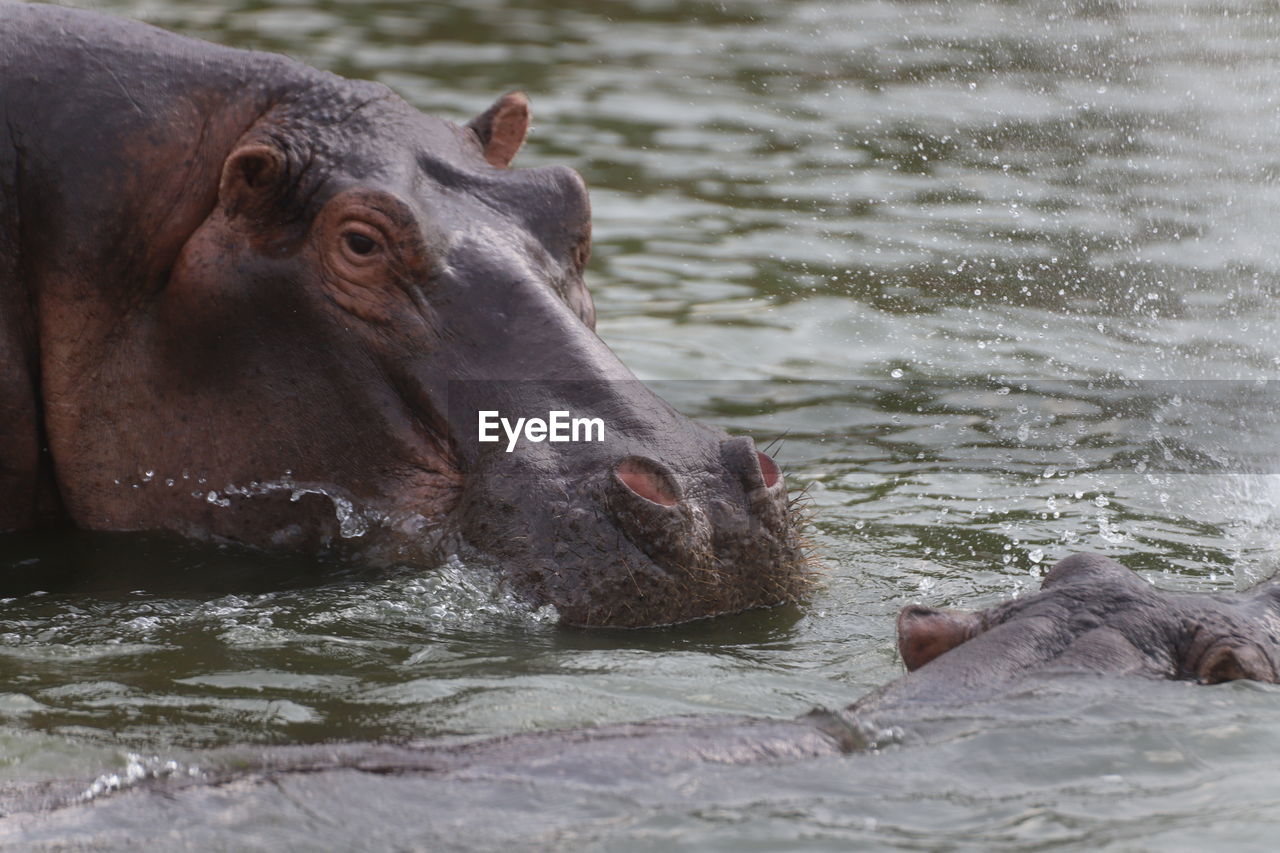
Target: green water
(871, 224)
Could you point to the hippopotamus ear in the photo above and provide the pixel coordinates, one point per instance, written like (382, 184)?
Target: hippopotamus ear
(250, 176)
(925, 633)
(502, 128)
(1233, 662)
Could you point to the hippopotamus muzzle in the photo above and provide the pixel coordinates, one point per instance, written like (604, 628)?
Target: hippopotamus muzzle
(663, 520)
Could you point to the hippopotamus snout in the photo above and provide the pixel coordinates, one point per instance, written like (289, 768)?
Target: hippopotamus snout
(665, 520)
(661, 520)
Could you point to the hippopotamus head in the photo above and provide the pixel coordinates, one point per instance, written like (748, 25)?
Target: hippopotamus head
(345, 286)
(1091, 615)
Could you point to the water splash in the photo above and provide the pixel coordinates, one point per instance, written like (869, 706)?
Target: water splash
(137, 768)
(452, 594)
(353, 522)
(1251, 505)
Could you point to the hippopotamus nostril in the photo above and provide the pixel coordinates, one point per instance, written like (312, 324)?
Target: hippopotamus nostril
(755, 469)
(768, 469)
(650, 509)
(649, 480)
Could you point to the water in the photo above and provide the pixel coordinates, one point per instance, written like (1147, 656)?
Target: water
(880, 220)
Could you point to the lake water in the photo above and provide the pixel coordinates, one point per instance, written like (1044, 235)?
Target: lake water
(999, 279)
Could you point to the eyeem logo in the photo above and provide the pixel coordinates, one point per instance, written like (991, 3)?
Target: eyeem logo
(557, 427)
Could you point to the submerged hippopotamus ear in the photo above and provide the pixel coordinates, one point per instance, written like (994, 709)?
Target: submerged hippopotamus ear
(502, 128)
(250, 176)
(924, 633)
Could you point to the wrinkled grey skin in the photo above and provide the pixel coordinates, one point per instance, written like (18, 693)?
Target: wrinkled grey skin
(245, 300)
(1092, 616)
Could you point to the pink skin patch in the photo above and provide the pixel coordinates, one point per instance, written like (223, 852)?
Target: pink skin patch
(645, 481)
(768, 469)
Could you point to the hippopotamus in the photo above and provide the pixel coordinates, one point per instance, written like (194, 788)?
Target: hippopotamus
(1092, 617)
(243, 300)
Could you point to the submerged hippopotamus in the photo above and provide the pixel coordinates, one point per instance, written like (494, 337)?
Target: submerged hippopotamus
(245, 300)
(1092, 616)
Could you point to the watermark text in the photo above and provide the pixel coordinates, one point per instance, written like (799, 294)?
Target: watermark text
(557, 427)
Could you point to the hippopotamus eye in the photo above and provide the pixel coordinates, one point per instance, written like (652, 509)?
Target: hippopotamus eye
(360, 244)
